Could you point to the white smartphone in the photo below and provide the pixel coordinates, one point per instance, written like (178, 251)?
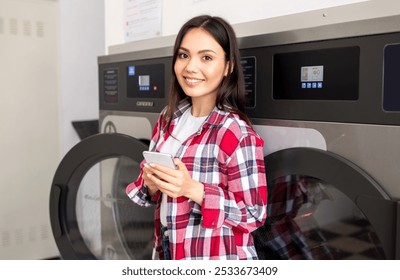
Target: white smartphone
(159, 158)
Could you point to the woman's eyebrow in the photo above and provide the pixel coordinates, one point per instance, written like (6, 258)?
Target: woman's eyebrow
(201, 51)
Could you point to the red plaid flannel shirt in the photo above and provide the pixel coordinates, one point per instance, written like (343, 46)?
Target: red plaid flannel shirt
(226, 155)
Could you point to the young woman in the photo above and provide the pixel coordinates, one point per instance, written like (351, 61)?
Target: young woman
(208, 206)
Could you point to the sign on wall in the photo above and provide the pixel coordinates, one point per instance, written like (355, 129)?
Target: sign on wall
(143, 19)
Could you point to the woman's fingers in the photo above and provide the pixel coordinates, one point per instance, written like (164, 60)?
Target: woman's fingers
(165, 186)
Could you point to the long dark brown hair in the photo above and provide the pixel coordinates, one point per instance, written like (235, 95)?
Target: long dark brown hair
(231, 94)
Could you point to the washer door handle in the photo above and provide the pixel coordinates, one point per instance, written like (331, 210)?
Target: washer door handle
(55, 203)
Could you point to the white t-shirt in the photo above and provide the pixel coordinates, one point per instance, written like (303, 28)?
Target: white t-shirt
(186, 127)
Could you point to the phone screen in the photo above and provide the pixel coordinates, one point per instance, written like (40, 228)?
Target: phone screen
(159, 158)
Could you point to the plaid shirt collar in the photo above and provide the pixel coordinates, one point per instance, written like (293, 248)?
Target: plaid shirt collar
(215, 118)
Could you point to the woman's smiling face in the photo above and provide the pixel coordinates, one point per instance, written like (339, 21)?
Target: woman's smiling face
(200, 65)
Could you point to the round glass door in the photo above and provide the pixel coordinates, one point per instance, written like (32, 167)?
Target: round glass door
(311, 219)
(322, 206)
(112, 226)
(91, 216)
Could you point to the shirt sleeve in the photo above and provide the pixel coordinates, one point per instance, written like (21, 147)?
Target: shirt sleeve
(242, 203)
(138, 193)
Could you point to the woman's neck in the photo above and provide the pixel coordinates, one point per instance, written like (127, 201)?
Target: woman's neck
(202, 107)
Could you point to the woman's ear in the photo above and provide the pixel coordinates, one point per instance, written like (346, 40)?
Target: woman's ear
(229, 64)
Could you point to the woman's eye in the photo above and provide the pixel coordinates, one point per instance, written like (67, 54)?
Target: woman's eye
(207, 58)
(182, 55)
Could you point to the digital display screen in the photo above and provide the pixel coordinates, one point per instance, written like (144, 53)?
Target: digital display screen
(145, 81)
(324, 74)
(312, 76)
(391, 81)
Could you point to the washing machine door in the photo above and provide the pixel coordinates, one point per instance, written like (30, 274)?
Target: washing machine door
(322, 206)
(91, 216)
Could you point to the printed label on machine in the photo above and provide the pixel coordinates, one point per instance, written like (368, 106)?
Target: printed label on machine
(249, 73)
(110, 85)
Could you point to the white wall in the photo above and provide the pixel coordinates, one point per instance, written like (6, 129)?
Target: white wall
(176, 12)
(82, 40)
(48, 75)
(29, 142)
(114, 22)
(238, 11)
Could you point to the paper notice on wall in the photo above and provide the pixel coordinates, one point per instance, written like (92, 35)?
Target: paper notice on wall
(143, 19)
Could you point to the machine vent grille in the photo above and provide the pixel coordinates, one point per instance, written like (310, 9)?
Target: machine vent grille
(20, 236)
(32, 234)
(1, 26)
(44, 232)
(27, 28)
(13, 26)
(39, 29)
(5, 240)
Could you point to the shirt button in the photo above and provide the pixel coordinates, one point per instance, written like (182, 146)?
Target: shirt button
(166, 233)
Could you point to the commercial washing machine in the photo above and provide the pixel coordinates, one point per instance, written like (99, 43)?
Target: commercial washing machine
(324, 99)
(92, 218)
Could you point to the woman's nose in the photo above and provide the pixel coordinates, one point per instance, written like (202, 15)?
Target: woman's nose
(192, 66)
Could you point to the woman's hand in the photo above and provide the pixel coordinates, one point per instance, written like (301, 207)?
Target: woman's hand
(151, 186)
(175, 182)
